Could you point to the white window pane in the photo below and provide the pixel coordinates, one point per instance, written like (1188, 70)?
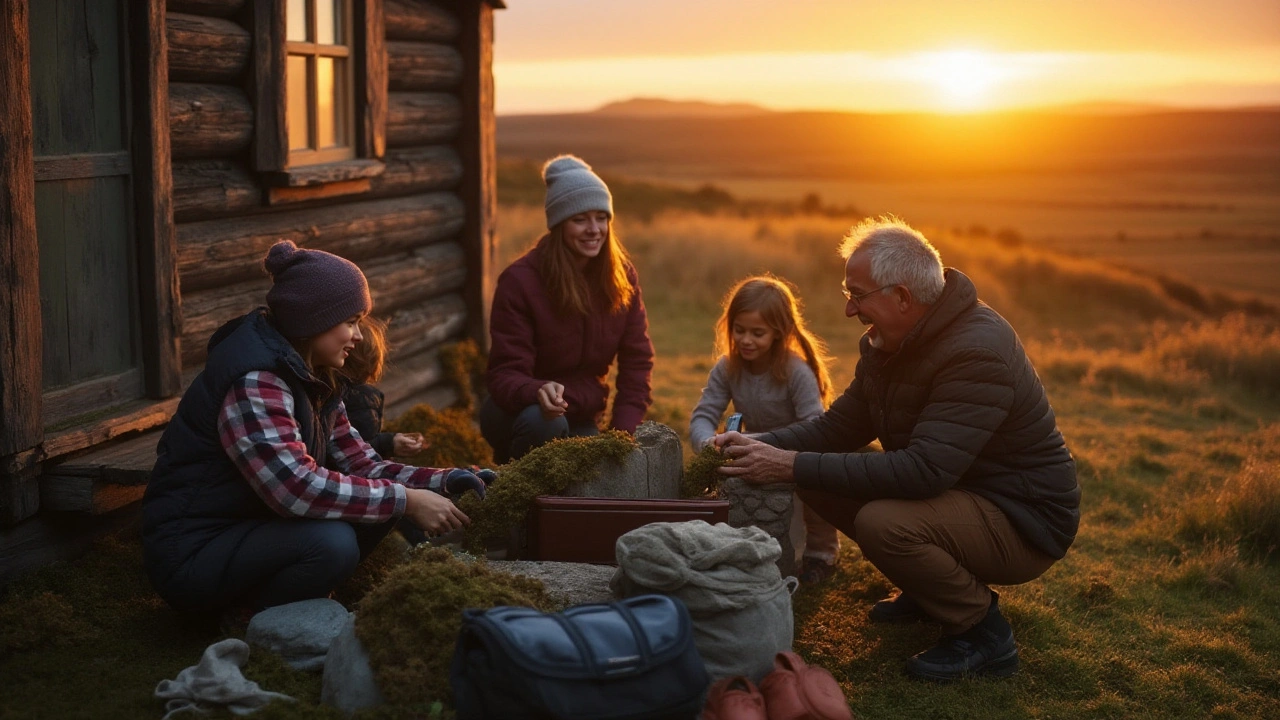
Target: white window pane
(329, 22)
(296, 111)
(296, 21)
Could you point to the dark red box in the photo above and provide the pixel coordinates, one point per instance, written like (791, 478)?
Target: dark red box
(574, 529)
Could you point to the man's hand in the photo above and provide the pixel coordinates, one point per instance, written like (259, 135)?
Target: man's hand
(404, 444)
(551, 400)
(755, 462)
(434, 514)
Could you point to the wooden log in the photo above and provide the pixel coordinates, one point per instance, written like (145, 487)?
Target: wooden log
(403, 280)
(419, 66)
(208, 120)
(21, 346)
(205, 49)
(133, 418)
(218, 252)
(416, 170)
(422, 118)
(161, 310)
(419, 20)
(271, 136)
(212, 8)
(419, 327)
(477, 145)
(408, 376)
(439, 396)
(371, 81)
(213, 188)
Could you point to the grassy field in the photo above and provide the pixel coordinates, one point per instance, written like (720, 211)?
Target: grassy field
(1168, 606)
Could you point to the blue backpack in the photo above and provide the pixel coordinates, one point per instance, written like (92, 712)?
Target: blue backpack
(628, 660)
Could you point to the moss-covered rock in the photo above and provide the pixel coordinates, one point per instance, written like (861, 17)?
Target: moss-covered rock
(700, 477)
(451, 437)
(546, 470)
(409, 623)
(388, 555)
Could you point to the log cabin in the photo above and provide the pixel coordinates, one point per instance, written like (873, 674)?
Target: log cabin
(152, 150)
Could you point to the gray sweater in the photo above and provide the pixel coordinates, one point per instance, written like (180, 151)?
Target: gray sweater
(765, 403)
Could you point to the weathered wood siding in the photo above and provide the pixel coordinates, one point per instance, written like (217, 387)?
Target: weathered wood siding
(406, 231)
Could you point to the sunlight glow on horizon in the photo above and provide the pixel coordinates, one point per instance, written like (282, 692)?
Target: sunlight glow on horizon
(955, 79)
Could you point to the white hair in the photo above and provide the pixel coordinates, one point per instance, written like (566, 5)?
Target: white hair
(900, 255)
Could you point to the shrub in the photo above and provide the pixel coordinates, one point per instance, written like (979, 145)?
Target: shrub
(451, 437)
(409, 623)
(1246, 511)
(700, 476)
(464, 366)
(1235, 349)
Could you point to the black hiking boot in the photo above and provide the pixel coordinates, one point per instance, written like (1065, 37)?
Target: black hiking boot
(984, 649)
(900, 609)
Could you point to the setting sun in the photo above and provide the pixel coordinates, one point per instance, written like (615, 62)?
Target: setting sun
(965, 78)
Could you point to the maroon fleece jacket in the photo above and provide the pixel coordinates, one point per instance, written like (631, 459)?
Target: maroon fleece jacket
(532, 344)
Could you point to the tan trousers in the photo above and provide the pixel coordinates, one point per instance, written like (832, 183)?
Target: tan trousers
(821, 540)
(943, 551)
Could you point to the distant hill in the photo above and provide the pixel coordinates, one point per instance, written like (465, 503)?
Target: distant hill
(904, 146)
(659, 107)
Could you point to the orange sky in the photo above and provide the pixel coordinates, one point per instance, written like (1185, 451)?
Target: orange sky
(879, 56)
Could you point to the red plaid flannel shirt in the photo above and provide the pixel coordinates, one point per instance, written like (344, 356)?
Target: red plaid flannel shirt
(260, 435)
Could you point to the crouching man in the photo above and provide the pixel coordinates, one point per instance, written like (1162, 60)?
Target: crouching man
(975, 486)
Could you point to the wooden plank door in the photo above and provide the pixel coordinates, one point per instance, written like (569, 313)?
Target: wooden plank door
(84, 207)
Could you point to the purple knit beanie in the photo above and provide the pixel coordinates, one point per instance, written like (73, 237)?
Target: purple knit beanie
(312, 290)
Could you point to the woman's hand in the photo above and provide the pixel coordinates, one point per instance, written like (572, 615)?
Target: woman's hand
(434, 514)
(755, 462)
(408, 444)
(551, 400)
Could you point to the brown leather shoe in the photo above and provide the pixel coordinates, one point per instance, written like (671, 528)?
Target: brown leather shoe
(734, 698)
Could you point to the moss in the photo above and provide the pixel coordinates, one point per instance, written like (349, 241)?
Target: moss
(450, 435)
(388, 555)
(410, 622)
(464, 366)
(547, 470)
(37, 619)
(700, 476)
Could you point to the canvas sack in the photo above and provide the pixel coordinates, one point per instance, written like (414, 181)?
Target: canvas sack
(729, 580)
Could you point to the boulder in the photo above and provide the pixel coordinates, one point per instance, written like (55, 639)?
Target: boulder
(772, 508)
(569, 583)
(653, 470)
(299, 632)
(348, 682)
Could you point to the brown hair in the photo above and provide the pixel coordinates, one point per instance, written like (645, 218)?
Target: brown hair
(366, 363)
(572, 289)
(780, 309)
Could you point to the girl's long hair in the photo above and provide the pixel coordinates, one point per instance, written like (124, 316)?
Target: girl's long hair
(366, 363)
(781, 310)
(574, 290)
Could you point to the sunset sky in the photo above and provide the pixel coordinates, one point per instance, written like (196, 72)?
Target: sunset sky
(881, 56)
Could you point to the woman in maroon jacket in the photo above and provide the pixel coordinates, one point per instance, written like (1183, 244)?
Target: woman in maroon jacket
(562, 313)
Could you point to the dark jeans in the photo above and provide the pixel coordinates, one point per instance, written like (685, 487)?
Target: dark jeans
(286, 560)
(513, 436)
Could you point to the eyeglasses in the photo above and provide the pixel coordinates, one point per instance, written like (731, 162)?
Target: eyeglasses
(848, 295)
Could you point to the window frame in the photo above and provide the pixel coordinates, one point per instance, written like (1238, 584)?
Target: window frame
(367, 114)
(344, 86)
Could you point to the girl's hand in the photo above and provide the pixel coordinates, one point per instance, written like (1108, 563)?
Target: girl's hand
(434, 514)
(551, 400)
(408, 444)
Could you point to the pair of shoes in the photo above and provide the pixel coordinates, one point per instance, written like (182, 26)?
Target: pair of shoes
(900, 609)
(815, 570)
(794, 690)
(734, 698)
(987, 648)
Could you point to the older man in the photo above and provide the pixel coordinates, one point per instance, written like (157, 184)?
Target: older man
(975, 485)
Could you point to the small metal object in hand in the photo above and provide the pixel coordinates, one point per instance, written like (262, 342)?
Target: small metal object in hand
(734, 423)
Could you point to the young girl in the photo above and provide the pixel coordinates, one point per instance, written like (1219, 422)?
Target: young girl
(773, 370)
(241, 510)
(364, 401)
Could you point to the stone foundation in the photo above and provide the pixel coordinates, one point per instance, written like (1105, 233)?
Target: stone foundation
(653, 470)
(772, 508)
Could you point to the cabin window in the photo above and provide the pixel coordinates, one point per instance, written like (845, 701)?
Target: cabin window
(320, 95)
(319, 107)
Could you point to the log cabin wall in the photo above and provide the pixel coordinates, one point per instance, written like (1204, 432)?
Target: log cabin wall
(409, 231)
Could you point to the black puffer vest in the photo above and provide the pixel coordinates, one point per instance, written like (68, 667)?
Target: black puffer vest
(196, 495)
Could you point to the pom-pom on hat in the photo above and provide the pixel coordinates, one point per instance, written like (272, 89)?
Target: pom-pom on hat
(312, 290)
(573, 188)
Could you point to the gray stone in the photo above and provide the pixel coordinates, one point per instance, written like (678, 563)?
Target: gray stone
(653, 470)
(569, 583)
(299, 632)
(772, 508)
(348, 682)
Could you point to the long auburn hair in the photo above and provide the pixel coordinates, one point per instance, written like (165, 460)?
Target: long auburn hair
(575, 290)
(366, 363)
(781, 310)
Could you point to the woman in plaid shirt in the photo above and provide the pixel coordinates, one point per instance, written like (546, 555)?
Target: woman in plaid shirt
(241, 508)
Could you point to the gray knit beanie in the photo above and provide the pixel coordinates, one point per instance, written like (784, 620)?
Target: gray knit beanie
(573, 188)
(312, 290)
